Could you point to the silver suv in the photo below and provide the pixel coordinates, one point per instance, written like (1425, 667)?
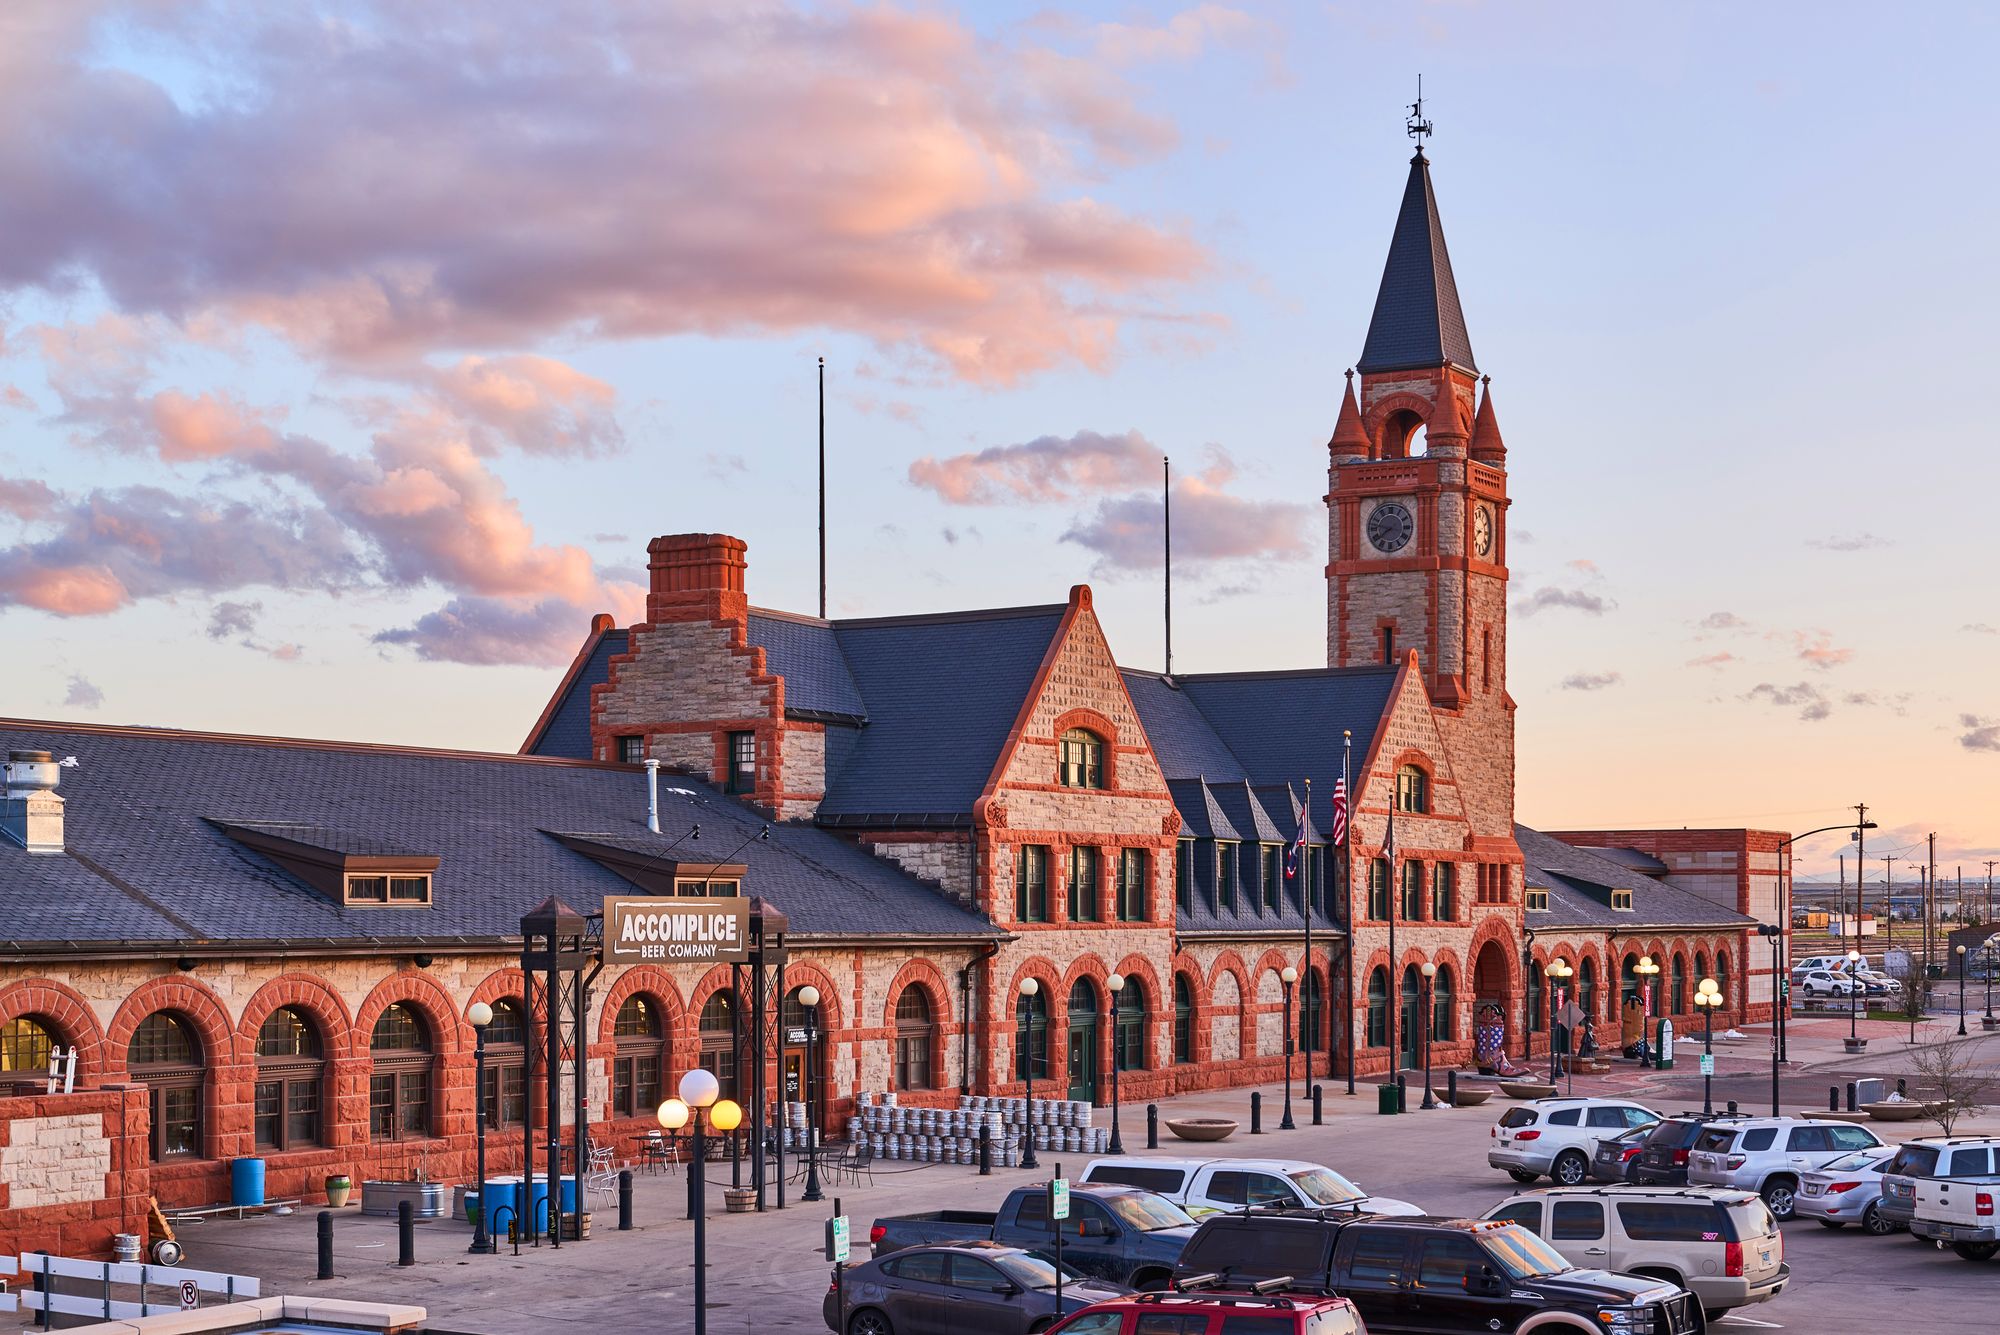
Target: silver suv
(1558, 1136)
(1768, 1155)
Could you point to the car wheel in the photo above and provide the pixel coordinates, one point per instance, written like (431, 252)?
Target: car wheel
(1874, 1225)
(1569, 1169)
(1522, 1175)
(1976, 1251)
(1833, 1223)
(1807, 992)
(1781, 1194)
(870, 1321)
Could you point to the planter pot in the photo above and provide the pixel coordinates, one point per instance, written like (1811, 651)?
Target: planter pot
(428, 1200)
(339, 1186)
(1470, 1098)
(1202, 1128)
(1904, 1110)
(1524, 1089)
(740, 1200)
(1855, 1044)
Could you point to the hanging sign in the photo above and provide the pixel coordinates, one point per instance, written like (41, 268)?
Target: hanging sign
(677, 931)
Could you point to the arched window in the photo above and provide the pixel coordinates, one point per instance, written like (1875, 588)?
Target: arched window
(1378, 1007)
(1183, 1018)
(1536, 1021)
(1680, 985)
(165, 1057)
(1700, 966)
(1628, 981)
(1128, 1043)
(718, 1041)
(1410, 1019)
(1413, 789)
(1082, 759)
(1586, 986)
(1312, 1013)
(1722, 973)
(399, 1080)
(1031, 1035)
(638, 1058)
(506, 1092)
(914, 1031)
(25, 1044)
(1444, 1006)
(290, 1075)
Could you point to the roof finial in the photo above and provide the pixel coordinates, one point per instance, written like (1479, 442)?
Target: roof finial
(1415, 125)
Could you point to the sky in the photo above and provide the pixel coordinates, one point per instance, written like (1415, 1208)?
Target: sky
(350, 354)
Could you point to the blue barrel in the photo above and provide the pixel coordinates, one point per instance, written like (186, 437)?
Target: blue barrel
(499, 1191)
(568, 1195)
(246, 1181)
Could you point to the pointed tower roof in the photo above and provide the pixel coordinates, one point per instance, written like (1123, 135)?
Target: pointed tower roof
(1350, 437)
(1486, 442)
(1417, 321)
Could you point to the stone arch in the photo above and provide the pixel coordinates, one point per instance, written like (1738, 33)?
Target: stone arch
(307, 993)
(639, 980)
(929, 981)
(66, 1011)
(1229, 1014)
(185, 995)
(419, 989)
(1393, 419)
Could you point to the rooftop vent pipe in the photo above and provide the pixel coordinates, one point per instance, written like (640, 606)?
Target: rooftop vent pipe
(653, 796)
(31, 815)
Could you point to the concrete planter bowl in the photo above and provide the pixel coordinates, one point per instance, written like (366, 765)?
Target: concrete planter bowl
(1470, 1098)
(1527, 1089)
(1903, 1110)
(1202, 1128)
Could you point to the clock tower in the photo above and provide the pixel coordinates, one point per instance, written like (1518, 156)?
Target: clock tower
(1417, 510)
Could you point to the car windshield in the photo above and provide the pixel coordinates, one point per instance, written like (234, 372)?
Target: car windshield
(1032, 1270)
(1860, 1159)
(1521, 1254)
(1149, 1213)
(1323, 1186)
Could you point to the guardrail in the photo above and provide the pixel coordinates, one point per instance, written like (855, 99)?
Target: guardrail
(184, 1286)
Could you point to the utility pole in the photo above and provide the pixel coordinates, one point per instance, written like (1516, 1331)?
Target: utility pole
(1930, 902)
(1990, 862)
(1888, 900)
(1860, 870)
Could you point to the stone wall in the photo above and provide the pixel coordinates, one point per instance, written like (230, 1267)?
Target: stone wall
(72, 1170)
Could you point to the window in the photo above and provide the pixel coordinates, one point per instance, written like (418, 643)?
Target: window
(638, 1059)
(1757, 1138)
(25, 1045)
(1528, 1214)
(399, 1079)
(1535, 989)
(1378, 890)
(1166, 1181)
(1097, 1323)
(1700, 966)
(1315, 872)
(1486, 661)
(289, 1078)
(1678, 994)
(165, 1057)
(413, 889)
(1661, 1221)
(1576, 1221)
(1128, 1041)
(1412, 907)
(1852, 1137)
(631, 750)
(1183, 1019)
(1132, 885)
(1586, 987)
(1273, 868)
(969, 1272)
(1378, 1007)
(1566, 1117)
(718, 1040)
(1031, 884)
(1808, 1140)
(742, 762)
(1447, 1262)
(1492, 889)
(1388, 644)
(1722, 973)
(920, 1267)
(1031, 1035)
(1628, 980)
(1444, 883)
(1621, 900)
(1082, 884)
(1231, 1187)
(1183, 874)
(1444, 1007)
(1082, 759)
(1225, 874)
(913, 1039)
(1312, 1013)
(1377, 1259)
(1413, 789)
(1538, 900)
(1614, 1118)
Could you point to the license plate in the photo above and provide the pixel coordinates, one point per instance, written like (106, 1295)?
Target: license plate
(1765, 1258)
(1812, 1188)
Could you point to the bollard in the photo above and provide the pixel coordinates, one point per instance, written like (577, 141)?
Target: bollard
(1732, 1107)
(521, 1220)
(1256, 1112)
(1451, 1089)
(406, 1234)
(1833, 1098)
(1152, 1126)
(1902, 1087)
(1850, 1096)
(624, 1200)
(985, 1153)
(326, 1244)
(1317, 1109)
(1402, 1093)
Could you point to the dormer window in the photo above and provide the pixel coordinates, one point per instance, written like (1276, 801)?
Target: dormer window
(355, 869)
(1621, 899)
(709, 888)
(389, 889)
(1538, 899)
(1082, 759)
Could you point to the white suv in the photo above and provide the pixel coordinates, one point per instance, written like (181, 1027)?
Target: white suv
(1823, 983)
(1558, 1136)
(1768, 1155)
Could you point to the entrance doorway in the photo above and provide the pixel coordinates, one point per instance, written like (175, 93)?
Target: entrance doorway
(1083, 1041)
(1409, 1033)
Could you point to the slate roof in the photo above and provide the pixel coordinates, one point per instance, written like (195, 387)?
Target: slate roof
(145, 864)
(1417, 320)
(1579, 882)
(805, 652)
(565, 731)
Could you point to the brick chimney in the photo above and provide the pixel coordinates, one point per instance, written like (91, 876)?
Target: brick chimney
(696, 577)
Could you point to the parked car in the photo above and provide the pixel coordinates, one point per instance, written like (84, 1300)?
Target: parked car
(1559, 1136)
(1881, 982)
(1769, 1155)
(1204, 1186)
(1847, 1190)
(1247, 1312)
(1720, 1244)
(1663, 1160)
(1958, 1207)
(1824, 983)
(1434, 1275)
(1128, 1237)
(1930, 1156)
(1829, 963)
(1616, 1156)
(947, 1288)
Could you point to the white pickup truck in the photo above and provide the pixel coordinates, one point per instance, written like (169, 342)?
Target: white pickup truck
(1963, 1208)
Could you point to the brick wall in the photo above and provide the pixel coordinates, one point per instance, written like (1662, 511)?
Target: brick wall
(72, 1170)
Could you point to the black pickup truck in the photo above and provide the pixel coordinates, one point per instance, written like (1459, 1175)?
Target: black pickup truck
(1435, 1276)
(1121, 1234)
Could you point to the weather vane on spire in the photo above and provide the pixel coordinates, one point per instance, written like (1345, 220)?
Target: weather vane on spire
(1415, 125)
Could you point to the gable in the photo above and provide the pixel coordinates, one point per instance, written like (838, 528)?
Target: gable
(1080, 686)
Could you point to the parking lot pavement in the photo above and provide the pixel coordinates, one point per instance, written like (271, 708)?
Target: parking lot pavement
(766, 1274)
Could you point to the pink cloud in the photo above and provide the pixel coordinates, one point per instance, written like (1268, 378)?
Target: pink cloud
(1715, 660)
(1048, 468)
(489, 631)
(533, 404)
(13, 396)
(1211, 527)
(66, 590)
(1182, 37)
(1817, 648)
(26, 498)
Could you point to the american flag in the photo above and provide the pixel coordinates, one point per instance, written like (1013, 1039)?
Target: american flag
(1339, 832)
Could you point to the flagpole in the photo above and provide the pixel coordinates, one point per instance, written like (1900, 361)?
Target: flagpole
(1395, 974)
(1346, 878)
(1306, 903)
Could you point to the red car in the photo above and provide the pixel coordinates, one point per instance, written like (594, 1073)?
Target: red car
(1214, 1312)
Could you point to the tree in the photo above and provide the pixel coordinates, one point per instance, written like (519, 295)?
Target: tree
(1951, 1081)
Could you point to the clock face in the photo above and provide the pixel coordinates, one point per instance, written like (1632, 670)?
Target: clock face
(1390, 526)
(1482, 531)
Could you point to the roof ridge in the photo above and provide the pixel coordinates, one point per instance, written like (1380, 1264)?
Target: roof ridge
(1273, 674)
(151, 731)
(798, 618)
(968, 614)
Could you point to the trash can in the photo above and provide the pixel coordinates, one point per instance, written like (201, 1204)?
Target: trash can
(1663, 1049)
(246, 1181)
(1388, 1100)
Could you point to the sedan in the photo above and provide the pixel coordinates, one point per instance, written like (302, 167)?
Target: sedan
(1612, 1160)
(1847, 1190)
(951, 1288)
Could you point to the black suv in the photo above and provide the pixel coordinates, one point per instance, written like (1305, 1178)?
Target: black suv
(1663, 1160)
(1434, 1275)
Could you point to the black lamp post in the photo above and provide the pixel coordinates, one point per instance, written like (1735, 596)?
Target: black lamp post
(1026, 1044)
(809, 998)
(1288, 976)
(1961, 991)
(1774, 932)
(1560, 972)
(481, 1015)
(699, 1108)
(1115, 985)
(1856, 991)
(1429, 971)
(1708, 995)
(1987, 951)
(1647, 971)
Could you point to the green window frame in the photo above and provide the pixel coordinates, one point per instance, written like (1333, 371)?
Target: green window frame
(1378, 890)
(1183, 874)
(1273, 861)
(1413, 789)
(1225, 874)
(1031, 884)
(1083, 883)
(1444, 885)
(1412, 907)
(1082, 759)
(1132, 878)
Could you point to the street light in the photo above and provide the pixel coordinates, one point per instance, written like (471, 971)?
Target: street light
(1288, 975)
(1429, 971)
(1708, 995)
(1646, 970)
(1855, 989)
(1775, 933)
(699, 1108)
(1988, 948)
(481, 1015)
(1115, 984)
(1027, 1045)
(809, 998)
(1961, 991)
(1560, 971)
